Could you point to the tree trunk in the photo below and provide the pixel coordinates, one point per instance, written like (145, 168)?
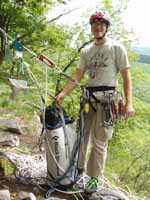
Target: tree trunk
(1, 57)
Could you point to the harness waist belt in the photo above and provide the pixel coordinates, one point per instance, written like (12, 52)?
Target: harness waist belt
(99, 88)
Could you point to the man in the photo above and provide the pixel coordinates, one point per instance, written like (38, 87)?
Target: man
(102, 61)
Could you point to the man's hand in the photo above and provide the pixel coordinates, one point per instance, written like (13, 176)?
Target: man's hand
(60, 97)
(127, 85)
(69, 86)
(129, 111)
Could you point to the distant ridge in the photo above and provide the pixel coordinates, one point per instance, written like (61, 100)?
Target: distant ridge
(142, 50)
(144, 54)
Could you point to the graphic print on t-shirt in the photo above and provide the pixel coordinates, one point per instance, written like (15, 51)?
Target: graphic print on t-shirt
(97, 64)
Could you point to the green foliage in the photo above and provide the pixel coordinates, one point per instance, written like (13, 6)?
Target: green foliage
(141, 87)
(129, 150)
(108, 4)
(7, 166)
(24, 149)
(27, 20)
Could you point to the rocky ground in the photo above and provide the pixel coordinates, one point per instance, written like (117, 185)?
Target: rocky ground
(26, 143)
(24, 151)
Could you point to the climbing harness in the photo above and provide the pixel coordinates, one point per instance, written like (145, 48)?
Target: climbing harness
(110, 100)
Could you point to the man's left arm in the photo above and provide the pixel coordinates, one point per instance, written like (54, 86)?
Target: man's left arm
(127, 85)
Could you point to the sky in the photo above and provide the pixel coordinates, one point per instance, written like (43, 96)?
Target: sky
(136, 17)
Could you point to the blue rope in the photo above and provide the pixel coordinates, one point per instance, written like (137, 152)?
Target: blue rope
(17, 45)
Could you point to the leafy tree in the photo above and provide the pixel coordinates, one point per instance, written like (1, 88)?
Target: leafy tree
(24, 17)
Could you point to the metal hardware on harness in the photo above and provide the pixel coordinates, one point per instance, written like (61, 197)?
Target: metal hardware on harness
(86, 107)
(108, 119)
(84, 100)
(103, 95)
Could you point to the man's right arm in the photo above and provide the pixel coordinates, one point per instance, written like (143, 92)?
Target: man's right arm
(70, 85)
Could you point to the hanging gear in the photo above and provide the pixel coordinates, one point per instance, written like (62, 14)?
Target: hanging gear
(110, 99)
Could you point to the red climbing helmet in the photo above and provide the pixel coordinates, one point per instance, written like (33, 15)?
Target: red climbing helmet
(100, 15)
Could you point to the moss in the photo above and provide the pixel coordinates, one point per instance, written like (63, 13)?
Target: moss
(7, 166)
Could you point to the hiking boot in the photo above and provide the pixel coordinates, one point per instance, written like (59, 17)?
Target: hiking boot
(92, 185)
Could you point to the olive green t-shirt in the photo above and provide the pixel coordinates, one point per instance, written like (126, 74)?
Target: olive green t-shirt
(103, 62)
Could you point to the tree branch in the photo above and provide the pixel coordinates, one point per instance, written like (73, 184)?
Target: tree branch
(61, 15)
(74, 58)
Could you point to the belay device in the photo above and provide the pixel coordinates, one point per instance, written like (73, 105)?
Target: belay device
(61, 145)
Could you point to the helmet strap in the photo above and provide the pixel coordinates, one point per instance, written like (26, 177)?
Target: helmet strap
(100, 38)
